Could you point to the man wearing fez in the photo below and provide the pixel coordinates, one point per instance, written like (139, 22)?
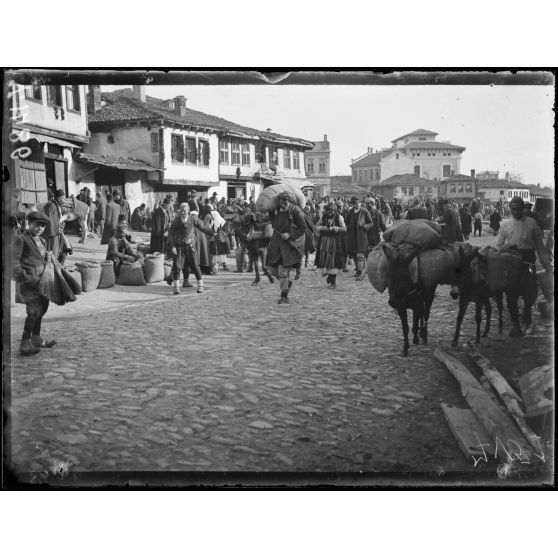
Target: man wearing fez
(523, 235)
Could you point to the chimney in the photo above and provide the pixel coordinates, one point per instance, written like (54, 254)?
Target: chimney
(452, 173)
(180, 105)
(138, 92)
(472, 173)
(370, 150)
(538, 184)
(268, 130)
(507, 179)
(94, 98)
(325, 137)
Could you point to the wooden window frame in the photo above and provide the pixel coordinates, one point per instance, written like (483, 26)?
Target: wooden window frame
(236, 155)
(190, 151)
(203, 154)
(51, 95)
(224, 148)
(72, 93)
(287, 164)
(245, 148)
(177, 149)
(296, 160)
(29, 92)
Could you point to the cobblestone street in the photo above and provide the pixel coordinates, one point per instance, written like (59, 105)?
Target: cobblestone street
(231, 381)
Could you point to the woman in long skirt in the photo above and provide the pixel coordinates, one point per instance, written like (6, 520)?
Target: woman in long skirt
(329, 254)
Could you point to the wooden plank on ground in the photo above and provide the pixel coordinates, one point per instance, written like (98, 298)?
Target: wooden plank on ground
(509, 397)
(537, 389)
(471, 436)
(509, 441)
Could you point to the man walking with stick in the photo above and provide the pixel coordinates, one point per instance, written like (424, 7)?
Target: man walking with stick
(287, 243)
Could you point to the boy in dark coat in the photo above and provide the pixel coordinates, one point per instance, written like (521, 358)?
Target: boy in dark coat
(30, 255)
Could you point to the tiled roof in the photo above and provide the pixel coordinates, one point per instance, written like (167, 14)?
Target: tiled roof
(369, 160)
(500, 183)
(117, 162)
(407, 180)
(461, 177)
(431, 145)
(419, 132)
(122, 107)
(320, 146)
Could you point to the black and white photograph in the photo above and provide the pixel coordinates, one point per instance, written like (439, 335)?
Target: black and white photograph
(339, 278)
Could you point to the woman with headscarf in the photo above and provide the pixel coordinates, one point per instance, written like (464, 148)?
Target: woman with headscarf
(329, 254)
(218, 245)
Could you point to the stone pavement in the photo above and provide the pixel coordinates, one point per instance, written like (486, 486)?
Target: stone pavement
(231, 381)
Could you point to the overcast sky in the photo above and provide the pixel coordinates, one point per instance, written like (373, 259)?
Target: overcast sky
(504, 128)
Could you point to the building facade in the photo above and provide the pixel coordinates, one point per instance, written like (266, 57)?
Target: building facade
(418, 153)
(317, 163)
(48, 124)
(180, 150)
(459, 187)
(407, 186)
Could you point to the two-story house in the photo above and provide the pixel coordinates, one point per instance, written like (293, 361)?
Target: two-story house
(317, 161)
(459, 187)
(48, 123)
(366, 170)
(148, 147)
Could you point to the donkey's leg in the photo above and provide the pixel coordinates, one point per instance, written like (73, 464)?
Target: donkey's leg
(417, 313)
(488, 309)
(263, 255)
(463, 303)
(405, 327)
(427, 306)
(478, 318)
(499, 296)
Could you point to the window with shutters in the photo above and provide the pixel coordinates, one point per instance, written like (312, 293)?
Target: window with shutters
(224, 152)
(446, 171)
(287, 158)
(154, 142)
(72, 98)
(33, 92)
(245, 155)
(322, 165)
(203, 153)
(310, 166)
(191, 153)
(235, 160)
(177, 148)
(54, 95)
(296, 160)
(460, 187)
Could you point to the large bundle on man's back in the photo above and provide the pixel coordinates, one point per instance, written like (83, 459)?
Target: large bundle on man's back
(502, 267)
(267, 200)
(422, 233)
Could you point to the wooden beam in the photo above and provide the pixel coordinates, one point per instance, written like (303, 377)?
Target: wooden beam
(508, 439)
(507, 395)
(537, 388)
(470, 434)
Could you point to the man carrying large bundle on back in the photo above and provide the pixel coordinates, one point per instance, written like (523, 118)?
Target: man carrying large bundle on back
(287, 243)
(523, 235)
